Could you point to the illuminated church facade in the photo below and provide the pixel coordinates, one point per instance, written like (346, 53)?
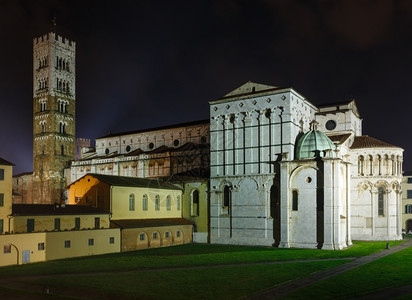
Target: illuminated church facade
(287, 173)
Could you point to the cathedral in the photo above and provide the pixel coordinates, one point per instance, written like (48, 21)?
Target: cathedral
(267, 168)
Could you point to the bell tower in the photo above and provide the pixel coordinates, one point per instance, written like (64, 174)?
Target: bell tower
(53, 115)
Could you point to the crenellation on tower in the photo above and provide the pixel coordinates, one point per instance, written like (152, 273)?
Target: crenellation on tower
(53, 115)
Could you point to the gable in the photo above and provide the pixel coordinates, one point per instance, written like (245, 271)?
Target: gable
(249, 87)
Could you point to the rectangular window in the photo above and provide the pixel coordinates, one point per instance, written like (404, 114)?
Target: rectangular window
(178, 203)
(77, 223)
(1, 199)
(1, 225)
(409, 179)
(409, 194)
(178, 233)
(57, 224)
(155, 235)
(408, 209)
(7, 249)
(1, 174)
(295, 200)
(30, 225)
(67, 244)
(142, 236)
(111, 240)
(97, 223)
(91, 242)
(40, 246)
(167, 234)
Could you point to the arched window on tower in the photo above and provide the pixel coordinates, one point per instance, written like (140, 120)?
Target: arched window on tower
(62, 128)
(62, 149)
(43, 127)
(380, 201)
(195, 203)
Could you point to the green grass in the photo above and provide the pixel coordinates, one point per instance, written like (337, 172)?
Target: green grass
(387, 272)
(230, 282)
(186, 255)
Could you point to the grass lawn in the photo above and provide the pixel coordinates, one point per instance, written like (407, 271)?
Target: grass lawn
(137, 273)
(186, 255)
(228, 282)
(391, 271)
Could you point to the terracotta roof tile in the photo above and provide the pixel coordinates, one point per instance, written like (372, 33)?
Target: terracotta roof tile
(155, 183)
(365, 141)
(141, 223)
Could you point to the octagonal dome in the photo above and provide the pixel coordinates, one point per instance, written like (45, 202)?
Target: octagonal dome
(313, 144)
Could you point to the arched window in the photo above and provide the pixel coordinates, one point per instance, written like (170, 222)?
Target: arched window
(227, 195)
(295, 200)
(386, 165)
(360, 165)
(144, 202)
(157, 203)
(178, 202)
(131, 202)
(195, 203)
(370, 165)
(168, 202)
(62, 149)
(43, 127)
(379, 165)
(380, 201)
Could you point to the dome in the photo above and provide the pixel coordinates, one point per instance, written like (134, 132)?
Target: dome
(313, 144)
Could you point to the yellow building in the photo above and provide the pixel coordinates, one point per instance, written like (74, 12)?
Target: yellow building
(148, 211)
(38, 232)
(6, 171)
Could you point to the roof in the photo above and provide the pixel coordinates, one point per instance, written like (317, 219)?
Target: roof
(186, 124)
(248, 89)
(4, 162)
(154, 183)
(52, 209)
(339, 138)
(330, 108)
(365, 141)
(141, 223)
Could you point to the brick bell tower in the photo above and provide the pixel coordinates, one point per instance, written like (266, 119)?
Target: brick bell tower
(53, 115)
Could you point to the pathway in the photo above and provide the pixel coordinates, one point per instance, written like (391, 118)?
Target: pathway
(294, 285)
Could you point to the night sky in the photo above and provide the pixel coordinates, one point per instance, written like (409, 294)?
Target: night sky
(143, 64)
